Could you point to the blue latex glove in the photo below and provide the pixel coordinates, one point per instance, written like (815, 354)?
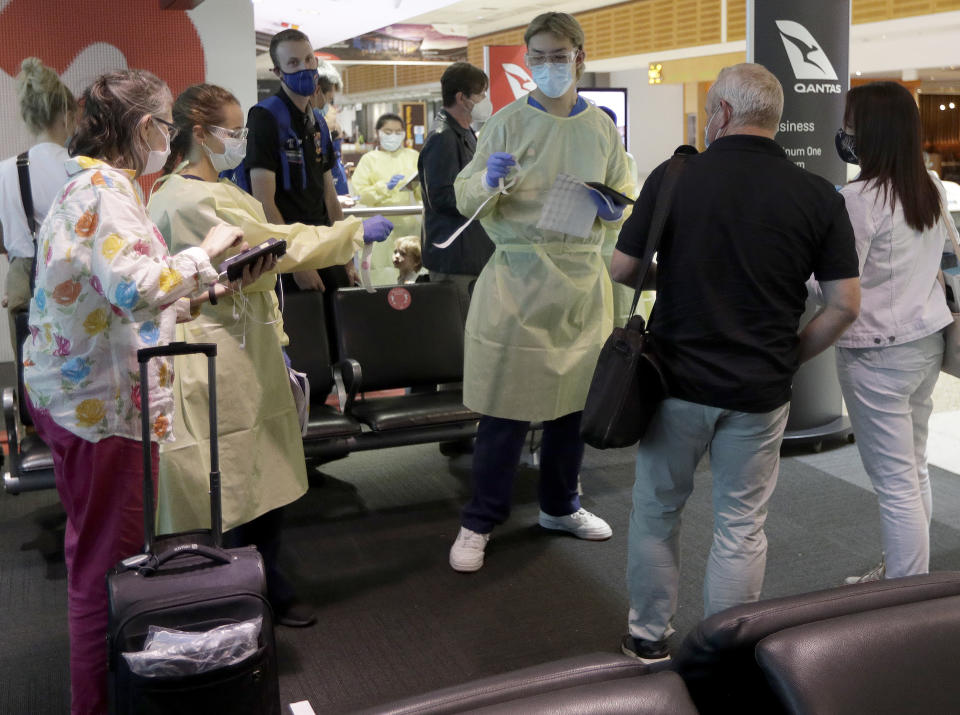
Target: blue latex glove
(394, 180)
(498, 166)
(604, 212)
(376, 229)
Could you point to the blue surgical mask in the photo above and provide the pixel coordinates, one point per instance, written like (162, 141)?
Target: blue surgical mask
(303, 82)
(846, 147)
(553, 79)
(324, 109)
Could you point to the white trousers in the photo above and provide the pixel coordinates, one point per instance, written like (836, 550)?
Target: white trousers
(888, 394)
(744, 459)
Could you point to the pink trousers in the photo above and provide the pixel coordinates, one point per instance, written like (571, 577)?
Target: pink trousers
(101, 488)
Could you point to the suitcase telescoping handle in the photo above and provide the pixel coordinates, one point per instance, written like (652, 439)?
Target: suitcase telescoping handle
(144, 356)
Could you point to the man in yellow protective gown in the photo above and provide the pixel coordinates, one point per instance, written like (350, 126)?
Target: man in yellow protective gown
(542, 306)
(261, 452)
(379, 181)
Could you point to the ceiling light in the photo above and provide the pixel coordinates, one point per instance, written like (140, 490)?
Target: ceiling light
(952, 105)
(943, 107)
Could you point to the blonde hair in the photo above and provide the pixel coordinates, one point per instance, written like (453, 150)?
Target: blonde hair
(410, 245)
(562, 25)
(43, 98)
(754, 94)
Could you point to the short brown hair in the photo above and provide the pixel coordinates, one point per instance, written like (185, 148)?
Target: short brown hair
(113, 107)
(560, 24)
(289, 35)
(201, 104)
(461, 77)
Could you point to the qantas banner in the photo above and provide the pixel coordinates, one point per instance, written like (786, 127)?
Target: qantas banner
(807, 46)
(509, 77)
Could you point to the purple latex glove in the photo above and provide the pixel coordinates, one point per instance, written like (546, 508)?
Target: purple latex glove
(604, 212)
(498, 166)
(394, 180)
(376, 229)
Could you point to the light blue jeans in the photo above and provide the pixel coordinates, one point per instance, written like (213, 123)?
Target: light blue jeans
(744, 459)
(888, 394)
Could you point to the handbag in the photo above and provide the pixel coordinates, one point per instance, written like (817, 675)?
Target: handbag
(951, 334)
(628, 382)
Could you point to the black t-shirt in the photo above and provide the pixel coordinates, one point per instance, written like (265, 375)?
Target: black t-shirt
(746, 229)
(301, 203)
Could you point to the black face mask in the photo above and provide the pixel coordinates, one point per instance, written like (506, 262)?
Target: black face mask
(847, 147)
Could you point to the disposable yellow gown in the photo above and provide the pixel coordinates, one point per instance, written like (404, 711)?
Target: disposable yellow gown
(542, 306)
(261, 452)
(622, 294)
(370, 178)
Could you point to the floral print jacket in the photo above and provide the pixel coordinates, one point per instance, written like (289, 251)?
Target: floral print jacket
(105, 288)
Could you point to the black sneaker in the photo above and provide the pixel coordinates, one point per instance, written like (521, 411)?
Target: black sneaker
(645, 651)
(295, 615)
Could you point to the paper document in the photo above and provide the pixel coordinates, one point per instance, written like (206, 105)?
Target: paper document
(569, 208)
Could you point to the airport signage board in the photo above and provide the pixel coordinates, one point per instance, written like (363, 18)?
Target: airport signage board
(807, 46)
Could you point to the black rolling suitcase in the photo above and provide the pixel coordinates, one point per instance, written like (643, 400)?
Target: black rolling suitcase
(188, 582)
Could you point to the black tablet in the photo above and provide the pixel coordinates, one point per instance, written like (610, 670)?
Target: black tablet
(612, 194)
(234, 265)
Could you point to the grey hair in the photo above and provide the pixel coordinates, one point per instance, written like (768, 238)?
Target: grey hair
(753, 93)
(113, 107)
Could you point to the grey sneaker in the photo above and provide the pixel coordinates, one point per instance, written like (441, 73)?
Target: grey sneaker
(580, 523)
(466, 554)
(643, 650)
(874, 574)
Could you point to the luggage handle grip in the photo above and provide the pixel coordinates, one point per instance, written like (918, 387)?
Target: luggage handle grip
(176, 348)
(144, 355)
(153, 563)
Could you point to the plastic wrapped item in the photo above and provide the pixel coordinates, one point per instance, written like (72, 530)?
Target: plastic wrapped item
(169, 653)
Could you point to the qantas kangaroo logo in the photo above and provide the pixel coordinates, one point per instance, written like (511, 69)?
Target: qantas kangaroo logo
(806, 57)
(520, 82)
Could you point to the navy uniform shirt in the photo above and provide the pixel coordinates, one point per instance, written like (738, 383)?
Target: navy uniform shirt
(300, 204)
(746, 229)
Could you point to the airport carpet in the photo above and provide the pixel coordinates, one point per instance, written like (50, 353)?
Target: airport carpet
(367, 547)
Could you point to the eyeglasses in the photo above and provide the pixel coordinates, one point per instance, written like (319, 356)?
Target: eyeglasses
(556, 58)
(223, 133)
(172, 129)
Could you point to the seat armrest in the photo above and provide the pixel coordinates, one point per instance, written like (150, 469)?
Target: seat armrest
(347, 376)
(10, 415)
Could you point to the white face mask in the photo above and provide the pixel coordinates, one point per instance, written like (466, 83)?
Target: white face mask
(234, 150)
(390, 142)
(481, 111)
(706, 129)
(157, 158)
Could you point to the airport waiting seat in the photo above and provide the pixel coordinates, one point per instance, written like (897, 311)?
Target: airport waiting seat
(886, 661)
(716, 669)
(29, 465)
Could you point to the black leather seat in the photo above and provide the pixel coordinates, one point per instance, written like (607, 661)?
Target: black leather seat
(30, 464)
(328, 430)
(514, 688)
(716, 659)
(403, 337)
(901, 659)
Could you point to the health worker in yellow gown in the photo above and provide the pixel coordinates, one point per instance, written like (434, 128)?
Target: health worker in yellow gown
(542, 306)
(261, 452)
(379, 181)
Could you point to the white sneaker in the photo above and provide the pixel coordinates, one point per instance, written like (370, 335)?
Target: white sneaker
(466, 554)
(580, 523)
(877, 573)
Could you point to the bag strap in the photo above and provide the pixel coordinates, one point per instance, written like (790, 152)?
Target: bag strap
(26, 198)
(661, 210)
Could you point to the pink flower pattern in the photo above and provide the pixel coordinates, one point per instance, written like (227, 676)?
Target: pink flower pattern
(63, 346)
